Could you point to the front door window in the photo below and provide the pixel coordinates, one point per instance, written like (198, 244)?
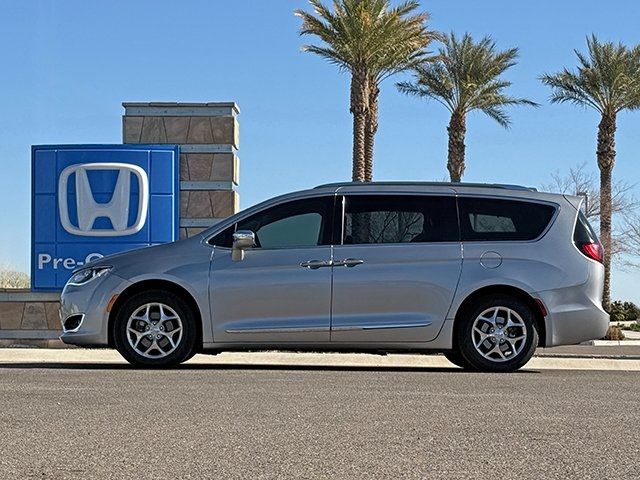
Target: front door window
(296, 224)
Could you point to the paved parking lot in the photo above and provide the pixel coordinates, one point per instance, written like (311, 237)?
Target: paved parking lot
(250, 421)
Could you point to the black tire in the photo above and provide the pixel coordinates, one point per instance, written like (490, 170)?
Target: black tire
(190, 356)
(465, 340)
(185, 346)
(455, 357)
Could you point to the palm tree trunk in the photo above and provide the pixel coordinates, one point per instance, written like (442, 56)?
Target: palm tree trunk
(371, 129)
(606, 158)
(457, 129)
(359, 101)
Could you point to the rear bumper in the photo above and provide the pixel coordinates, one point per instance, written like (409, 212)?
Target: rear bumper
(573, 317)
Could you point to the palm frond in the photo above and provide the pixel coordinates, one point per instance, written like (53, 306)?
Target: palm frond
(498, 114)
(607, 78)
(465, 75)
(369, 34)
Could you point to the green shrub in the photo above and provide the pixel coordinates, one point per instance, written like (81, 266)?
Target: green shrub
(633, 312)
(617, 314)
(623, 311)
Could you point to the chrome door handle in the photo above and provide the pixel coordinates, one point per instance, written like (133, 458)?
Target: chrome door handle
(349, 262)
(315, 264)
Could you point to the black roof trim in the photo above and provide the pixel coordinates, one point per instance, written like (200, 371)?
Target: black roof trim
(430, 184)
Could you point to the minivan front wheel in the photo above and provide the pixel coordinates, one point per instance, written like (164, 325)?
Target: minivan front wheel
(455, 357)
(155, 329)
(498, 334)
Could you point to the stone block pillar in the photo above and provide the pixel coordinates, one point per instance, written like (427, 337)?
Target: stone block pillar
(208, 135)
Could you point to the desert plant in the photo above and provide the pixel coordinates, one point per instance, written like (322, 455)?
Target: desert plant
(372, 40)
(614, 333)
(607, 80)
(466, 76)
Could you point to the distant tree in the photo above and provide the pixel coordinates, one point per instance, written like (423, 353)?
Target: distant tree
(372, 40)
(630, 227)
(466, 76)
(578, 180)
(10, 278)
(625, 209)
(607, 80)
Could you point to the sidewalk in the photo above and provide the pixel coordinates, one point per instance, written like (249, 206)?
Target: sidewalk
(80, 358)
(601, 349)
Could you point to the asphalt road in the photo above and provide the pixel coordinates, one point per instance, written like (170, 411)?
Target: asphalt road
(208, 421)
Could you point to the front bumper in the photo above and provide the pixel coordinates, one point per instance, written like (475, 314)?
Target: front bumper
(91, 301)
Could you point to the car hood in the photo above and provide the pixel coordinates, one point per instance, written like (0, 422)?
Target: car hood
(145, 256)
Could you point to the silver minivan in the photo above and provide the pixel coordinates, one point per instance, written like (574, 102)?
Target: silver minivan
(482, 273)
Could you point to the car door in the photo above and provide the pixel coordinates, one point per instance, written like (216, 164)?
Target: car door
(281, 291)
(396, 266)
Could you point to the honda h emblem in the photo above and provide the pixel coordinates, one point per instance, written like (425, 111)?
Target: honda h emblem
(116, 210)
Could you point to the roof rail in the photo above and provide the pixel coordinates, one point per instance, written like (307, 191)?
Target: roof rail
(431, 184)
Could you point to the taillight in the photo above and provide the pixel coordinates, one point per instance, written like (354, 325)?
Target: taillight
(594, 251)
(586, 239)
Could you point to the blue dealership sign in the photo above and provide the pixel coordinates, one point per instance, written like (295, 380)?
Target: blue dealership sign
(94, 200)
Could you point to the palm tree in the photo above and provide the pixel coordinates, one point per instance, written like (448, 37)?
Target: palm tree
(406, 51)
(465, 76)
(371, 40)
(607, 80)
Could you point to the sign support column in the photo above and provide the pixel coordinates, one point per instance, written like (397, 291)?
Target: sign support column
(208, 135)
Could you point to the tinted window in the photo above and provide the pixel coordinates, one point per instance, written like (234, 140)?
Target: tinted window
(399, 219)
(583, 233)
(298, 230)
(495, 220)
(223, 239)
(301, 223)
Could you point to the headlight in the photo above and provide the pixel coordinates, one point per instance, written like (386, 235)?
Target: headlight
(85, 276)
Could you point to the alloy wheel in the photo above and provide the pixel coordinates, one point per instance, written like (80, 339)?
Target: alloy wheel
(499, 334)
(154, 330)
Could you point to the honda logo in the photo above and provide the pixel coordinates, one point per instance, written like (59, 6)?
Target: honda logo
(116, 209)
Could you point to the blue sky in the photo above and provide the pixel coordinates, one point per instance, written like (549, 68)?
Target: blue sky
(68, 65)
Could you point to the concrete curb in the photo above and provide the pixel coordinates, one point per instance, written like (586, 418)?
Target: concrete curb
(613, 343)
(587, 356)
(13, 358)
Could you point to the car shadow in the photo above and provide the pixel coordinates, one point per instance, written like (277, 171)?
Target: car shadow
(241, 367)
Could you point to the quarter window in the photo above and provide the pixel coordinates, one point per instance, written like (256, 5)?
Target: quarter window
(484, 219)
(371, 219)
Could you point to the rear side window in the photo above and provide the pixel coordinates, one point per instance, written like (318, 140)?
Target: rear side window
(487, 219)
(584, 232)
(374, 219)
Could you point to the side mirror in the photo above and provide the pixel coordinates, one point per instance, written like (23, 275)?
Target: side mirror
(242, 240)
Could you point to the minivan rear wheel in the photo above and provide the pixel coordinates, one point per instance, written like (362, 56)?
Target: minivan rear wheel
(498, 334)
(155, 328)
